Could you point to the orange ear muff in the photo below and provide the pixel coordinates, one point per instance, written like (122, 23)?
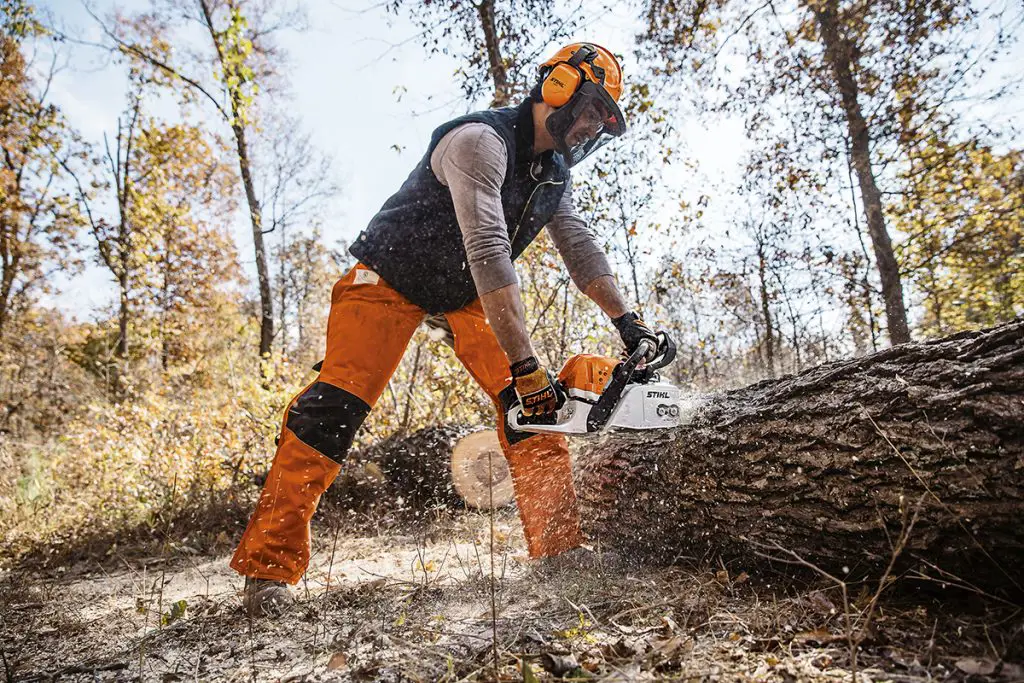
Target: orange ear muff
(560, 85)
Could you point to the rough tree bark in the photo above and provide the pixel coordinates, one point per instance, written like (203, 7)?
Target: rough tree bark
(826, 463)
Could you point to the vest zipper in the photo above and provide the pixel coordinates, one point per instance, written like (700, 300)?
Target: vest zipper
(526, 207)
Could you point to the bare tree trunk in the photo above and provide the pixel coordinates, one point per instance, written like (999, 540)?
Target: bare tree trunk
(6, 281)
(123, 314)
(705, 371)
(123, 243)
(165, 301)
(831, 463)
(262, 271)
(866, 281)
(499, 71)
(769, 339)
(122, 169)
(936, 301)
(282, 286)
(255, 214)
(300, 317)
(123, 322)
(839, 55)
(631, 257)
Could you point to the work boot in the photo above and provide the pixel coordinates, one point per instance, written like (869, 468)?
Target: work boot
(266, 597)
(580, 558)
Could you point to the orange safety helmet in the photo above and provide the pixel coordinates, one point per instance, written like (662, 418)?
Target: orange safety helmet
(565, 67)
(583, 82)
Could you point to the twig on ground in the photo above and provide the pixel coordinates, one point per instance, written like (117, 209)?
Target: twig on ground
(8, 674)
(612, 619)
(954, 580)
(458, 556)
(907, 526)
(163, 556)
(78, 669)
(145, 622)
(444, 559)
(252, 644)
(323, 598)
(798, 560)
(421, 558)
(494, 603)
(855, 636)
(581, 609)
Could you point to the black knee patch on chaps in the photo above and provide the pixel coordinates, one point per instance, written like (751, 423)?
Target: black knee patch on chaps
(326, 418)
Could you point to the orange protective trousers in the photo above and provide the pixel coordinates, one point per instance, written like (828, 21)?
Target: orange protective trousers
(368, 330)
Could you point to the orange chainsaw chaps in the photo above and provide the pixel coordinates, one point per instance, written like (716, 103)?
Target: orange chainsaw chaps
(276, 543)
(540, 466)
(368, 329)
(542, 475)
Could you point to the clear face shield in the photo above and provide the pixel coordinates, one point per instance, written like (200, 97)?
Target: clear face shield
(587, 122)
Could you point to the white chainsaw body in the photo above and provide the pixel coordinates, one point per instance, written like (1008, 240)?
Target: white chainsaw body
(655, 405)
(633, 395)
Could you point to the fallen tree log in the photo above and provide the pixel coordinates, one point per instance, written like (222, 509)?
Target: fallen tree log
(831, 467)
(443, 465)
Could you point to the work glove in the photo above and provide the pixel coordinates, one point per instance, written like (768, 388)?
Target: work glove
(633, 330)
(539, 393)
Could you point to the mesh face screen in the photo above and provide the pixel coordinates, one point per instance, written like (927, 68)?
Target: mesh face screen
(586, 123)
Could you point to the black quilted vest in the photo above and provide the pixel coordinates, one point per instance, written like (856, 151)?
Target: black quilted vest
(414, 241)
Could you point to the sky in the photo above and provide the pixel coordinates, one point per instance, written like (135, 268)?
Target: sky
(359, 81)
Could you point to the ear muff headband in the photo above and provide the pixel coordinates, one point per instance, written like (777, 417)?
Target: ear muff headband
(583, 54)
(564, 79)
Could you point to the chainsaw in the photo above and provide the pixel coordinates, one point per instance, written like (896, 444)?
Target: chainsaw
(605, 394)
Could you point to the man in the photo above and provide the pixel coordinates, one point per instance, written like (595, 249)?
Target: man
(440, 251)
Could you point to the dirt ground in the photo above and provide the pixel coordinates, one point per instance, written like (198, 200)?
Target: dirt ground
(417, 606)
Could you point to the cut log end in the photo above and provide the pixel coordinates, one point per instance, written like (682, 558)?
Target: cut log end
(447, 466)
(480, 472)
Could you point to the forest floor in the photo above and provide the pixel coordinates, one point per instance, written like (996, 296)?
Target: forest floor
(415, 603)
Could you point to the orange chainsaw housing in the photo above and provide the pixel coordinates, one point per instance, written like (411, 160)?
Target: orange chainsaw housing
(587, 372)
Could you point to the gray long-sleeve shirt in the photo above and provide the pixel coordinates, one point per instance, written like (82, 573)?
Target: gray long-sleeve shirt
(471, 160)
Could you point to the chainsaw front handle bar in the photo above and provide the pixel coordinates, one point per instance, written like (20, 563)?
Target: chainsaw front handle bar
(665, 353)
(597, 419)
